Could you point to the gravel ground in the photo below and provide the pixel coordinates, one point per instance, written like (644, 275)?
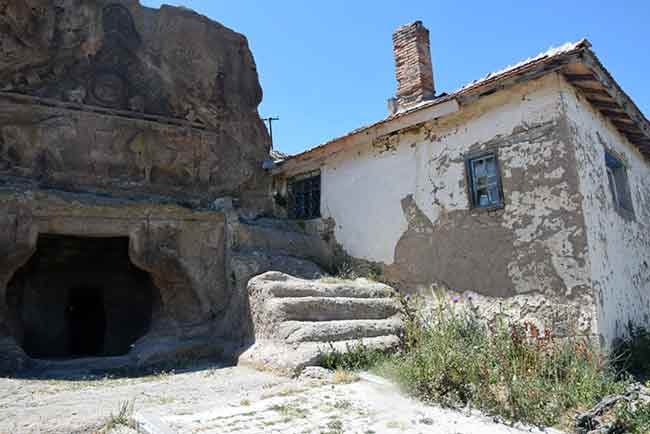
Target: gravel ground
(234, 400)
(123, 430)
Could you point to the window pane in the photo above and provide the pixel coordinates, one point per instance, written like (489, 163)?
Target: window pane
(483, 197)
(484, 179)
(612, 162)
(493, 192)
(479, 168)
(304, 197)
(491, 167)
(612, 185)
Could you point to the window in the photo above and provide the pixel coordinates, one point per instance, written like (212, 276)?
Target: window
(484, 180)
(304, 196)
(618, 184)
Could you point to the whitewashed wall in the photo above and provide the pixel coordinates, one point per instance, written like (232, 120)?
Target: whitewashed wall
(538, 244)
(363, 187)
(619, 248)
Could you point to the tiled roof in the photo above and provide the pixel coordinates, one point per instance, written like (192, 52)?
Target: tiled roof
(609, 97)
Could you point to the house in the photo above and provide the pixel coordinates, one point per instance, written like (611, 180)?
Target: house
(527, 191)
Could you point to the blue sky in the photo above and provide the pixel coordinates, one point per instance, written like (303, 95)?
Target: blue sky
(326, 67)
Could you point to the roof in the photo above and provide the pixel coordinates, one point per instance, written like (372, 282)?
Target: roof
(575, 60)
(277, 156)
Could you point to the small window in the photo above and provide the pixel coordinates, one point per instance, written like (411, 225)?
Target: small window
(618, 183)
(484, 181)
(304, 196)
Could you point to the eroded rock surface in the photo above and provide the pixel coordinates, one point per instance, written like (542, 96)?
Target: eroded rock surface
(116, 96)
(122, 121)
(601, 419)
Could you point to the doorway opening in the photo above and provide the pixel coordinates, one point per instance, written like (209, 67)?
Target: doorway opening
(80, 297)
(86, 318)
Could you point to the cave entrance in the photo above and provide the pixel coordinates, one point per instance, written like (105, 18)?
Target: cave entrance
(80, 297)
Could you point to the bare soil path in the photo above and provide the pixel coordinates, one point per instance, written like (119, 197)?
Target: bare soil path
(222, 400)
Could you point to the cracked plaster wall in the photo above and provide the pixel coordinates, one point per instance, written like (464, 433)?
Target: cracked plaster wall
(401, 200)
(619, 245)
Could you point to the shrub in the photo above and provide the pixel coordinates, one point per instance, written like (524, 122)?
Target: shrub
(633, 419)
(356, 358)
(631, 353)
(454, 359)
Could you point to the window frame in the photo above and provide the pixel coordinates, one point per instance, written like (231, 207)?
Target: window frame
(618, 184)
(471, 186)
(291, 202)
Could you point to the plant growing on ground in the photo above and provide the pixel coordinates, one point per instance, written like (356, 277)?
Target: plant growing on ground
(356, 357)
(631, 353)
(452, 358)
(123, 417)
(633, 419)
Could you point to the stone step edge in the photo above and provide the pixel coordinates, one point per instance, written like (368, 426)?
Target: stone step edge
(290, 359)
(307, 331)
(314, 309)
(327, 291)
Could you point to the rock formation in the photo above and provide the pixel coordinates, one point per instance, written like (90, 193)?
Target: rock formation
(121, 128)
(131, 185)
(117, 97)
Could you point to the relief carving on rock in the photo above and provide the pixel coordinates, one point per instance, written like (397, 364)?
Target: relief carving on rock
(113, 63)
(179, 92)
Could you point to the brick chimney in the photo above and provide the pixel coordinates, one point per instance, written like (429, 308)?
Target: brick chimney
(413, 67)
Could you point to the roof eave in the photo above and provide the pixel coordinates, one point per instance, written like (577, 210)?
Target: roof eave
(599, 87)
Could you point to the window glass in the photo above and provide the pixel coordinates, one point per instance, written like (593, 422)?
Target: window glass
(619, 185)
(485, 188)
(304, 196)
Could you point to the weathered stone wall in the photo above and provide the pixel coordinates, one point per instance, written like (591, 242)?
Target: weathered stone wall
(401, 201)
(182, 250)
(121, 120)
(619, 245)
(112, 96)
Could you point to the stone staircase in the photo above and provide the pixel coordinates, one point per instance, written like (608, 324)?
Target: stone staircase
(275, 245)
(297, 321)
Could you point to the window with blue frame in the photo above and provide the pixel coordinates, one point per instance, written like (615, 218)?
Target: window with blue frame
(484, 180)
(619, 185)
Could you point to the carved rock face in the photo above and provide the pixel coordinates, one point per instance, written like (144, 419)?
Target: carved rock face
(129, 61)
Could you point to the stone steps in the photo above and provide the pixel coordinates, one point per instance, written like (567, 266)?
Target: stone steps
(293, 357)
(282, 285)
(331, 308)
(329, 331)
(297, 321)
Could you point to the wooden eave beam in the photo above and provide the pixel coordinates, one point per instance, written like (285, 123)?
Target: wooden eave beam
(617, 115)
(580, 77)
(591, 93)
(604, 105)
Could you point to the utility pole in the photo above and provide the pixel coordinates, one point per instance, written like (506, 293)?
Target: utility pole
(270, 121)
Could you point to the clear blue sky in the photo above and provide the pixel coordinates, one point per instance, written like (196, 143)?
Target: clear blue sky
(326, 67)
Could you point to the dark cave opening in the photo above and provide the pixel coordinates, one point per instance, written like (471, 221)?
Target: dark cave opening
(80, 297)
(86, 321)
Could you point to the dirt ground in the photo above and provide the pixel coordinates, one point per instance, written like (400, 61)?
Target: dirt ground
(219, 400)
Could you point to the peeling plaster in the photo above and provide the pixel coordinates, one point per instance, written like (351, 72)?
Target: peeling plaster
(557, 254)
(619, 247)
(401, 201)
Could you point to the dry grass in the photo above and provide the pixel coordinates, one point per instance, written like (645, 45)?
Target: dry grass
(123, 417)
